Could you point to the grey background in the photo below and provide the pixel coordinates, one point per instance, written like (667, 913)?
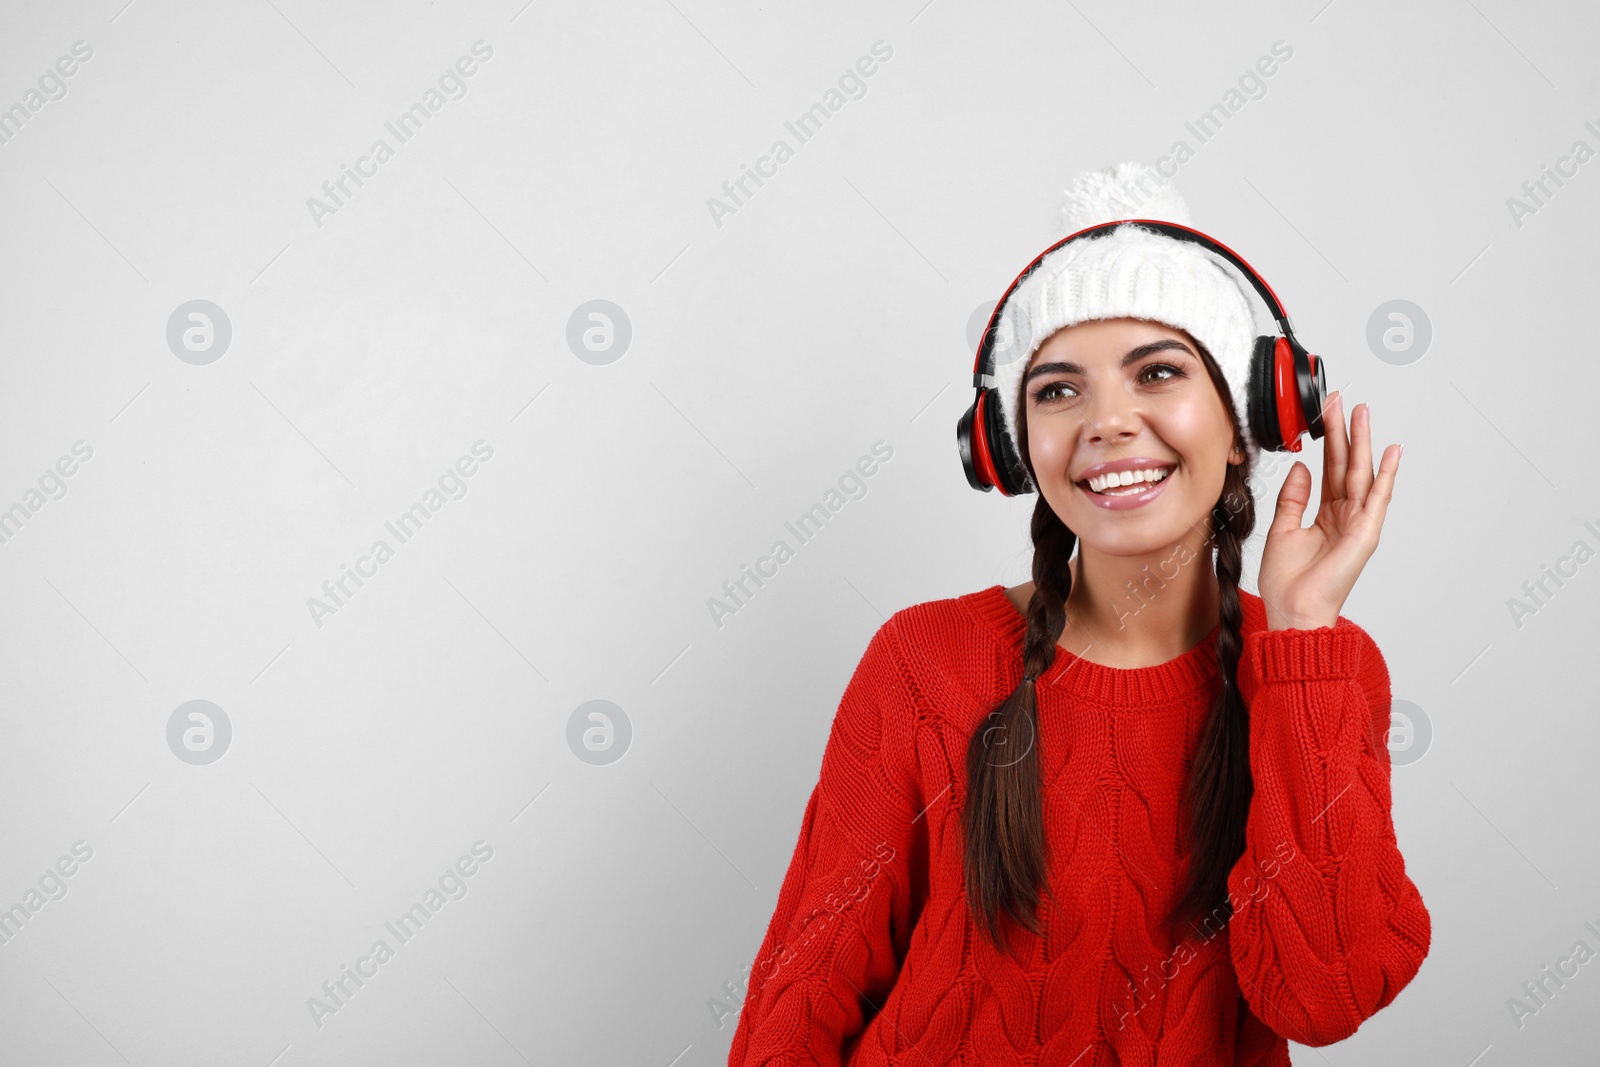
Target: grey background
(431, 311)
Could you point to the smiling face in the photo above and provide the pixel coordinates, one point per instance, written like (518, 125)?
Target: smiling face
(1110, 401)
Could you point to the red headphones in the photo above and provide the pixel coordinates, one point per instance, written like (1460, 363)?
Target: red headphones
(1286, 393)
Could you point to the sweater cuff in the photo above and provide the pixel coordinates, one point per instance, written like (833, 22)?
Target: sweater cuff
(1307, 655)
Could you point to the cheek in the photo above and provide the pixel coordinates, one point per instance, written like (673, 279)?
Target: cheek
(1049, 447)
(1203, 440)
(1202, 434)
(1050, 444)
(1196, 421)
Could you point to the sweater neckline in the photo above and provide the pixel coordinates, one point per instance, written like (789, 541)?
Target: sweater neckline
(1130, 687)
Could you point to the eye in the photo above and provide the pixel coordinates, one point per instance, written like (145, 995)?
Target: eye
(1150, 373)
(1047, 392)
(1177, 372)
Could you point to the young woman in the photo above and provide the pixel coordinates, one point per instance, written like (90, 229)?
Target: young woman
(1126, 812)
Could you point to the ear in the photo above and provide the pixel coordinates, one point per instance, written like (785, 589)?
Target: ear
(1235, 457)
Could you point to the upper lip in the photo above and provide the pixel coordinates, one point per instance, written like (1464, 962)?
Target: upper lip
(1136, 463)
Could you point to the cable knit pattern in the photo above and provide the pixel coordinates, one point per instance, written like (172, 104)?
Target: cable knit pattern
(872, 958)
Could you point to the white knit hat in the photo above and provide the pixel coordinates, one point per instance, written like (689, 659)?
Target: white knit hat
(1130, 272)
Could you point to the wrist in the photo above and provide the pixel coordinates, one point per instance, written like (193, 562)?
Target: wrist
(1286, 618)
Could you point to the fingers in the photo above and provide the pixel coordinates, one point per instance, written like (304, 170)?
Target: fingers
(1292, 500)
(1358, 478)
(1335, 448)
(1377, 500)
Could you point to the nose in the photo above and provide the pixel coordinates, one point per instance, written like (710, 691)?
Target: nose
(1112, 415)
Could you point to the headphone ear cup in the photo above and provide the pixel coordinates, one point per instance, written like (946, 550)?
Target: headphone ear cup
(966, 444)
(1013, 475)
(1263, 400)
(1318, 399)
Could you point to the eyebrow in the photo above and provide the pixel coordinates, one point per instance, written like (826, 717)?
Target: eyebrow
(1133, 356)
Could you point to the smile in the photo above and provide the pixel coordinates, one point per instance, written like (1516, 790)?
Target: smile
(1121, 490)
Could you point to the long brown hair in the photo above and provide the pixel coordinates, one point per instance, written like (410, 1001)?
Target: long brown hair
(1003, 819)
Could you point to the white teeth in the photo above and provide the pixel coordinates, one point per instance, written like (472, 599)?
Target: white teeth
(1101, 483)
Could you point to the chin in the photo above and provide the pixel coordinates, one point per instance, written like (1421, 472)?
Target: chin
(1131, 543)
(1131, 533)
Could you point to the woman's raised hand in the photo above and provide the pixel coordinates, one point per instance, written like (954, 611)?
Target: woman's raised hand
(1307, 572)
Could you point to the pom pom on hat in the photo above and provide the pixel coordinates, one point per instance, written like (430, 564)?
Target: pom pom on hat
(1125, 191)
(1131, 272)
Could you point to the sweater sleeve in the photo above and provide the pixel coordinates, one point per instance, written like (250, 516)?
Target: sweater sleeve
(1327, 928)
(842, 926)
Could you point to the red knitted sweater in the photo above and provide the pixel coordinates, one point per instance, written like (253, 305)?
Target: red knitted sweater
(872, 957)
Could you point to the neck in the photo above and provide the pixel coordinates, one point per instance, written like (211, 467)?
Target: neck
(1144, 608)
